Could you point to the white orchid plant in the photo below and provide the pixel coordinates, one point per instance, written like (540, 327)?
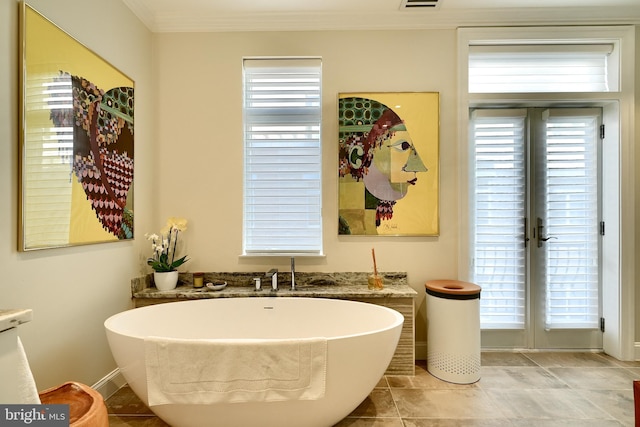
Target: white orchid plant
(164, 246)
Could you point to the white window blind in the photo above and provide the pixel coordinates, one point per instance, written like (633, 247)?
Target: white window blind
(571, 219)
(498, 139)
(282, 156)
(540, 68)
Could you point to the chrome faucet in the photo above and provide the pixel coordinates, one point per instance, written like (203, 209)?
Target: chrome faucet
(273, 273)
(293, 274)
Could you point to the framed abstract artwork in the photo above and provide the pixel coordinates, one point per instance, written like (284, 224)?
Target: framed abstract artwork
(76, 141)
(388, 164)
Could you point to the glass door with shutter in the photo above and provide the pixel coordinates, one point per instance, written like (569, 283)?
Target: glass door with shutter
(536, 222)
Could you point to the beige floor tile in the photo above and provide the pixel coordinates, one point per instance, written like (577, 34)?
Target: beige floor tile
(595, 378)
(428, 422)
(623, 363)
(382, 383)
(567, 423)
(425, 380)
(617, 362)
(617, 403)
(518, 377)
(570, 359)
(125, 402)
(546, 404)
(378, 404)
(370, 422)
(505, 358)
(519, 389)
(465, 403)
(635, 372)
(138, 421)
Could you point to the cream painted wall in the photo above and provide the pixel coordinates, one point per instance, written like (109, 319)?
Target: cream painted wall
(73, 290)
(199, 86)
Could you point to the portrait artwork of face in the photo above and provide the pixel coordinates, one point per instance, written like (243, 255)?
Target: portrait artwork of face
(377, 157)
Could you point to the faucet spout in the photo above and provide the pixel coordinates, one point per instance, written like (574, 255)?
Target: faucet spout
(293, 274)
(273, 273)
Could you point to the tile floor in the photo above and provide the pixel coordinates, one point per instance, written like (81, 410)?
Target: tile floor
(541, 389)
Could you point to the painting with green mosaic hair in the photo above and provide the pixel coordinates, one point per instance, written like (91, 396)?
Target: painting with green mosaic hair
(388, 164)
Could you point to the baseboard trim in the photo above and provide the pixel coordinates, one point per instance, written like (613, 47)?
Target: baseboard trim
(636, 351)
(109, 384)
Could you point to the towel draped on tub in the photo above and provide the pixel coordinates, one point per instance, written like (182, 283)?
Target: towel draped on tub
(191, 371)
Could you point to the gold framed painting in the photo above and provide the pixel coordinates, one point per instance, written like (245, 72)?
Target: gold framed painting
(388, 169)
(76, 141)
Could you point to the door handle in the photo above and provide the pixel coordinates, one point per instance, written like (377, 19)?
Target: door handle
(540, 227)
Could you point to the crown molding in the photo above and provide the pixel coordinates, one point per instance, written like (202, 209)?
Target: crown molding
(140, 9)
(367, 20)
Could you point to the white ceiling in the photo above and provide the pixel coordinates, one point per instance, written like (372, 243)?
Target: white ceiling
(293, 15)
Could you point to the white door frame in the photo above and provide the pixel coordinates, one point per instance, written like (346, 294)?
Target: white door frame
(618, 293)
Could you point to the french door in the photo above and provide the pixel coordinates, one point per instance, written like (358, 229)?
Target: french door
(537, 226)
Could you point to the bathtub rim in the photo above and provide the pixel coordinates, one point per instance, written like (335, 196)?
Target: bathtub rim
(398, 317)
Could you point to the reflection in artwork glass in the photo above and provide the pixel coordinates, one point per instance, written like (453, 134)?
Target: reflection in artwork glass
(381, 163)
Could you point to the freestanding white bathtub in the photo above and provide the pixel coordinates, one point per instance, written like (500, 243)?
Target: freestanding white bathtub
(361, 340)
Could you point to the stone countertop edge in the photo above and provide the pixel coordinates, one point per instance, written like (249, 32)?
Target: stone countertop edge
(10, 318)
(328, 285)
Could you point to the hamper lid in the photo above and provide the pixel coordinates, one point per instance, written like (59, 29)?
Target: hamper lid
(452, 288)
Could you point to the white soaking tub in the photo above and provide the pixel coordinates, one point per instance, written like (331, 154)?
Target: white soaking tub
(361, 339)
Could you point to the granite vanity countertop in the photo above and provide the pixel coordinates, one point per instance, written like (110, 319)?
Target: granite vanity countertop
(321, 285)
(10, 318)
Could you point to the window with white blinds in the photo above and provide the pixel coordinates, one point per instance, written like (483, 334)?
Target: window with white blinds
(498, 205)
(570, 179)
(541, 68)
(282, 156)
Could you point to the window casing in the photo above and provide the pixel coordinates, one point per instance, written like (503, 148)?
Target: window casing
(282, 157)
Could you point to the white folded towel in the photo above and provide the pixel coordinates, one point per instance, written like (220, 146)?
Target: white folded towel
(27, 390)
(213, 371)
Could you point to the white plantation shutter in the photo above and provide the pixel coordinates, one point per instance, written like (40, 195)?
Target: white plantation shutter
(571, 218)
(499, 210)
(541, 68)
(282, 156)
(567, 163)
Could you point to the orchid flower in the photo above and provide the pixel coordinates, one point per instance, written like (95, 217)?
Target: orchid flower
(164, 246)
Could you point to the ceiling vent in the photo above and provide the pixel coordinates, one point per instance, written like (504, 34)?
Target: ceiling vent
(418, 4)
